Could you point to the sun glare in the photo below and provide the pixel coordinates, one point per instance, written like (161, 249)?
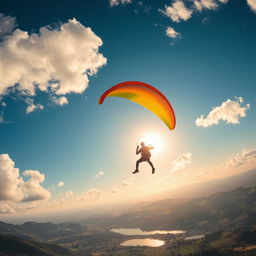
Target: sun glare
(153, 139)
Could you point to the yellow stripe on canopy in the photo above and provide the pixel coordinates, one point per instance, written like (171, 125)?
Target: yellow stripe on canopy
(146, 96)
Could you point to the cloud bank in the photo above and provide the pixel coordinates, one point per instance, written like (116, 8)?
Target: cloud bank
(13, 187)
(229, 111)
(247, 156)
(32, 189)
(57, 61)
(181, 162)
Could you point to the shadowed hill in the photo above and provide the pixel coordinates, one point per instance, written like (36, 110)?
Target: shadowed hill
(42, 231)
(14, 246)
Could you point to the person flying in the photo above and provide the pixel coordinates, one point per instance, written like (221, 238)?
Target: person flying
(145, 156)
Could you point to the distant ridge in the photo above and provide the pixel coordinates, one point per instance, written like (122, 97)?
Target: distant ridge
(222, 210)
(245, 179)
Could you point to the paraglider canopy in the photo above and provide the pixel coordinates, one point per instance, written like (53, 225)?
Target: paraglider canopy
(145, 95)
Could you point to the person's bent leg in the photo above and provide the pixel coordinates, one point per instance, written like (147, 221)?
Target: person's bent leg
(152, 166)
(137, 163)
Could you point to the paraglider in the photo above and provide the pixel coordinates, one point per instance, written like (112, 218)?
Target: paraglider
(150, 98)
(145, 95)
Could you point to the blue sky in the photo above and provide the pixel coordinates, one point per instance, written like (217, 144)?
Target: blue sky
(212, 60)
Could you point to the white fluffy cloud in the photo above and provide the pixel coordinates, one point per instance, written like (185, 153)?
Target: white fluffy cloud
(178, 11)
(32, 188)
(31, 106)
(7, 24)
(60, 100)
(61, 184)
(229, 111)
(207, 4)
(170, 32)
(182, 161)
(247, 156)
(10, 181)
(14, 188)
(117, 2)
(56, 61)
(252, 4)
(99, 174)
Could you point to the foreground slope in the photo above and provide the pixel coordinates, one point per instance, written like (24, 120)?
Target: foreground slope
(14, 246)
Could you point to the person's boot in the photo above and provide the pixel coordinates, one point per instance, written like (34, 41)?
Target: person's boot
(153, 170)
(135, 171)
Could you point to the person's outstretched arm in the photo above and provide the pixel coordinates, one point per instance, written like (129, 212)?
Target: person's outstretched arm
(137, 150)
(150, 147)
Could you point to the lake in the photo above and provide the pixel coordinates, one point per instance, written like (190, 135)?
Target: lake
(143, 242)
(139, 232)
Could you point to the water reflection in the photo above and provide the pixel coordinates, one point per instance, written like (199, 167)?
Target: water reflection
(143, 242)
(139, 232)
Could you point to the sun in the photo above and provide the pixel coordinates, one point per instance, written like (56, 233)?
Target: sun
(153, 139)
